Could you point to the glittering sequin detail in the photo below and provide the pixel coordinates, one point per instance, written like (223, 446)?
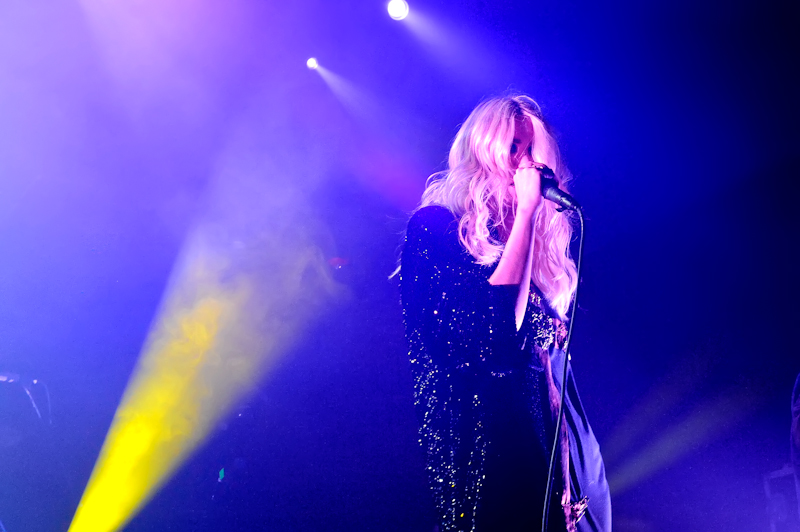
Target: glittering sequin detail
(547, 331)
(462, 341)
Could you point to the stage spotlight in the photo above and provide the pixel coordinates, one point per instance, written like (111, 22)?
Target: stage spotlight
(398, 9)
(312, 63)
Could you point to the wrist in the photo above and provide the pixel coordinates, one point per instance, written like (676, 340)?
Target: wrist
(526, 212)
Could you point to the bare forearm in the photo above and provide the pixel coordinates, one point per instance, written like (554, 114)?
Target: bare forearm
(511, 267)
(527, 191)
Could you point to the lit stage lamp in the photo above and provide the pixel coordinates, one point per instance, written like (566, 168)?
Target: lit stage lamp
(398, 9)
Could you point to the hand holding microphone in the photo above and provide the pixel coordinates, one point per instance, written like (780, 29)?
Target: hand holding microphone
(527, 187)
(545, 181)
(551, 191)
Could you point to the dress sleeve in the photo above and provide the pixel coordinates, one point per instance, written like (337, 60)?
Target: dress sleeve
(451, 309)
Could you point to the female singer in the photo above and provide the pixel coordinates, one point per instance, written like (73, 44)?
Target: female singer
(486, 282)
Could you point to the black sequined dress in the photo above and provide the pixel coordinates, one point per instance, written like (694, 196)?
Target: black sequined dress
(480, 388)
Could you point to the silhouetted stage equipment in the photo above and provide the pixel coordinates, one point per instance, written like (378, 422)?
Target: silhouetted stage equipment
(25, 414)
(782, 499)
(24, 408)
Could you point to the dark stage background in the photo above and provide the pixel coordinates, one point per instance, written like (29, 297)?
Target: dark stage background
(121, 122)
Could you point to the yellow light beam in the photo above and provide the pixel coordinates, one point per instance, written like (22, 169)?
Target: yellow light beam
(709, 420)
(663, 400)
(215, 335)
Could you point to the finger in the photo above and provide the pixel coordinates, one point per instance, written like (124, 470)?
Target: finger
(544, 170)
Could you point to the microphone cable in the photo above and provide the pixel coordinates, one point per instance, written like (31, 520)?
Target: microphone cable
(551, 469)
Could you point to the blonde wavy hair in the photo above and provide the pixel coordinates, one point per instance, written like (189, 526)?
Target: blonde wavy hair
(475, 187)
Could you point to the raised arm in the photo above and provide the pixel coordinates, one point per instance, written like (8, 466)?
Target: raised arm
(513, 265)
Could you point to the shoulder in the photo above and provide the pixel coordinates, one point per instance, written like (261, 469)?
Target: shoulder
(433, 219)
(432, 233)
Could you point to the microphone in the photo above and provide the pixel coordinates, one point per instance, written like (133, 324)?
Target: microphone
(551, 191)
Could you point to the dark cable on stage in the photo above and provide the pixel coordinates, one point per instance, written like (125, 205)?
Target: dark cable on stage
(551, 192)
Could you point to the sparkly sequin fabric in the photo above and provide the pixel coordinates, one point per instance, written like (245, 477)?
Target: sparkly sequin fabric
(479, 385)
